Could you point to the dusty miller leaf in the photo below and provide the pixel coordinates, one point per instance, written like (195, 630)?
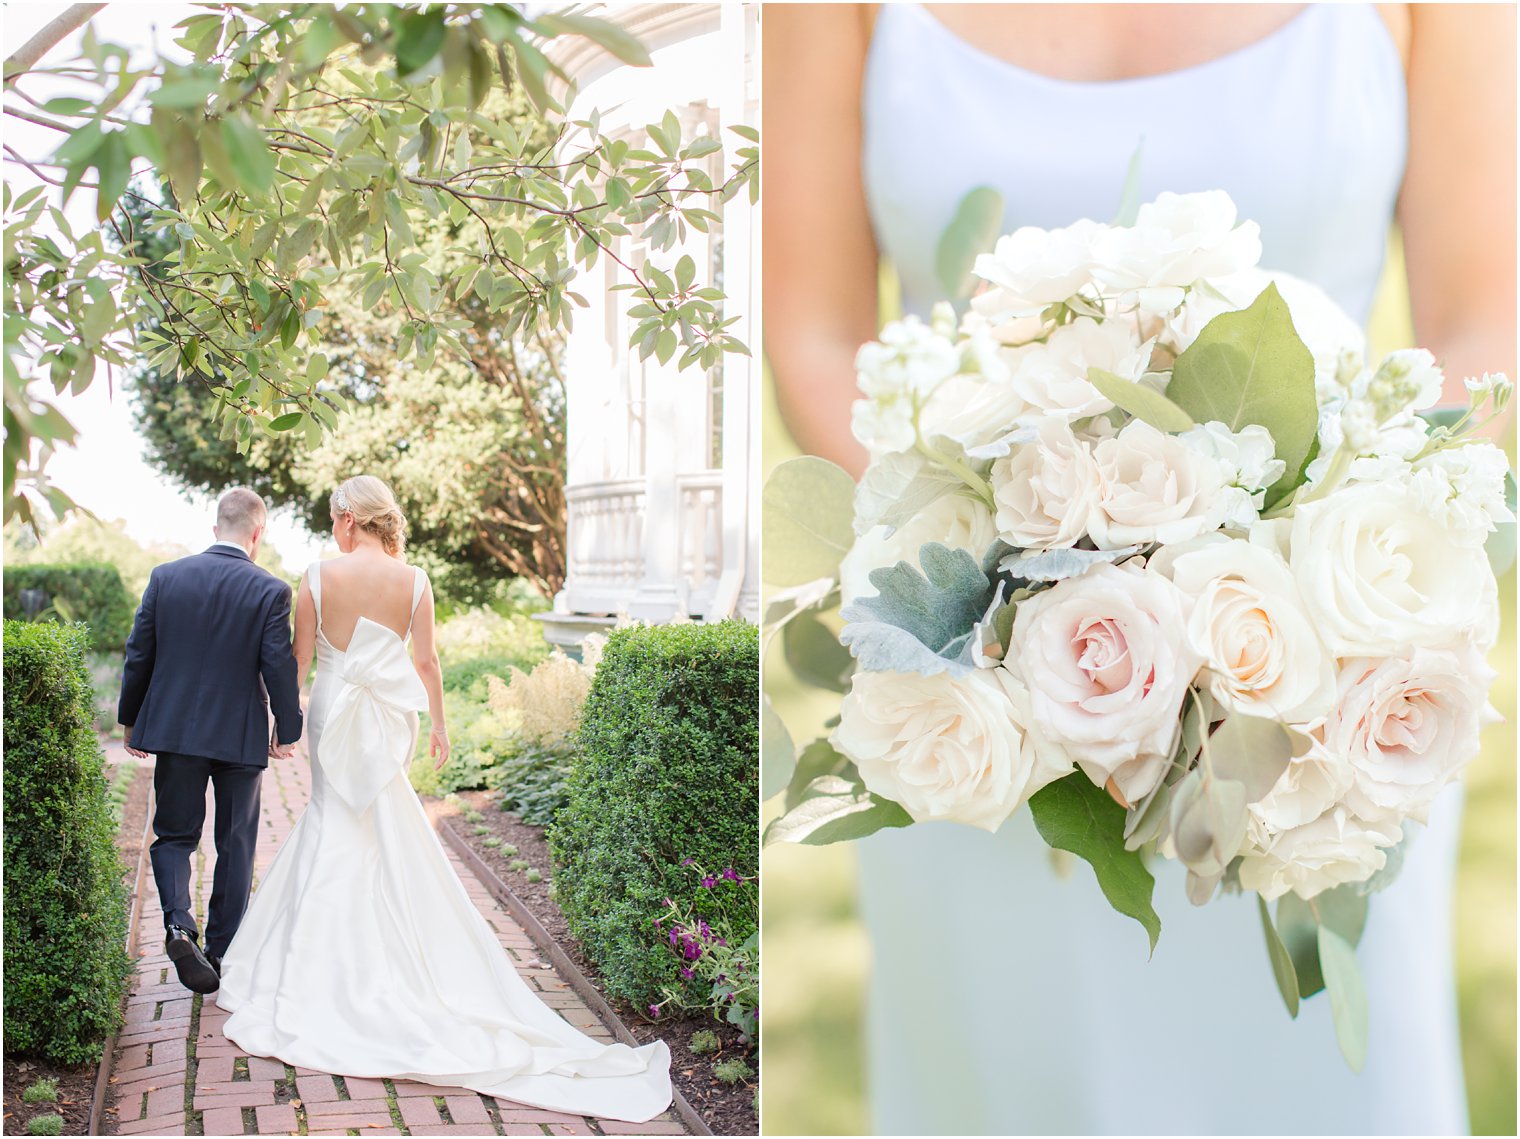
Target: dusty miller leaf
(919, 622)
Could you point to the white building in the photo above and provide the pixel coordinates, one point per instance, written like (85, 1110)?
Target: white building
(662, 484)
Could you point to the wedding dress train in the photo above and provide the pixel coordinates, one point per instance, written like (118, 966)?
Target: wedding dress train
(361, 953)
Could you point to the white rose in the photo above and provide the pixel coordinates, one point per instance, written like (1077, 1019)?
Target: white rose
(1176, 241)
(1250, 467)
(1046, 490)
(944, 747)
(1052, 377)
(1106, 659)
(1330, 851)
(1379, 572)
(955, 520)
(1249, 625)
(1032, 268)
(972, 410)
(1467, 482)
(1407, 725)
(1309, 786)
(897, 372)
(1153, 487)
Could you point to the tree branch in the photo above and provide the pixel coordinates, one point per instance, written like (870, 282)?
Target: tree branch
(71, 19)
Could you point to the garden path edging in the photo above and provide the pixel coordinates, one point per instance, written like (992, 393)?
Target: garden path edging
(560, 960)
(134, 917)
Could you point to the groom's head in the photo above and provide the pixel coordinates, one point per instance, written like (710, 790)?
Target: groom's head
(240, 519)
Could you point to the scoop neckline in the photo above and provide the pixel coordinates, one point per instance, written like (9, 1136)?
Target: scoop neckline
(965, 46)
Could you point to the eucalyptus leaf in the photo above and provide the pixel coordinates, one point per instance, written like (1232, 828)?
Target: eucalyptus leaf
(834, 809)
(1074, 815)
(1281, 959)
(1299, 932)
(814, 654)
(814, 762)
(1252, 750)
(1140, 401)
(1250, 366)
(1348, 996)
(807, 517)
(973, 229)
(1057, 565)
(778, 755)
(919, 622)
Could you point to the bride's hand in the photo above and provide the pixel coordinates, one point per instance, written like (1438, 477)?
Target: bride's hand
(438, 747)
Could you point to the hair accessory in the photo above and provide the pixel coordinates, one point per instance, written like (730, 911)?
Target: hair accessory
(340, 500)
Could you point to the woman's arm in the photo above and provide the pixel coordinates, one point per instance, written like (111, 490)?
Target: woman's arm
(425, 659)
(1457, 206)
(306, 629)
(820, 256)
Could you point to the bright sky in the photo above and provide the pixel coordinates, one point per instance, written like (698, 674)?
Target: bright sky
(107, 472)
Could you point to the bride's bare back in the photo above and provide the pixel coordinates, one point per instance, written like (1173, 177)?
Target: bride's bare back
(365, 584)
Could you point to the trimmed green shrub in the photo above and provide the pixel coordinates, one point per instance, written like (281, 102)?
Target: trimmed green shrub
(667, 771)
(41, 1091)
(66, 964)
(49, 1124)
(90, 592)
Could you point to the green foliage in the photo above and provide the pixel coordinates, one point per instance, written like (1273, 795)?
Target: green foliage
(89, 593)
(532, 875)
(668, 770)
(835, 808)
(703, 1042)
(84, 539)
(66, 965)
(41, 1091)
(732, 1071)
(1072, 814)
(1140, 401)
(975, 227)
(49, 1124)
(710, 955)
(808, 515)
(518, 864)
(1348, 995)
(534, 783)
(1249, 367)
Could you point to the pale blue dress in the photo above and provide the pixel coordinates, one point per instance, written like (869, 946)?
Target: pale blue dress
(1003, 998)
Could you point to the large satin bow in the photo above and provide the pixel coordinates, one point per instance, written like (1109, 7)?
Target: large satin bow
(367, 739)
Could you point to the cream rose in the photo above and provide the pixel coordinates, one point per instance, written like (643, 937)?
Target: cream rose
(1309, 786)
(1046, 490)
(1176, 241)
(1031, 268)
(1380, 572)
(1106, 659)
(955, 520)
(1407, 725)
(1249, 625)
(1330, 851)
(959, 749)
(1153, 487)
(1052, 377)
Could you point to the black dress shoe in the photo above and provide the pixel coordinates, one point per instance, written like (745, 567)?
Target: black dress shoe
(215, 962)
(195, 972)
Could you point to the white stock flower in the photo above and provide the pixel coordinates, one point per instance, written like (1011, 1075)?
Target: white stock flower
(897, 372)
(1260, 650)
(1106, 659)
(1176, 241)
(1153, 487)
(1380, 572)
(959, 749)
(1407, 724)
(955, 520)
(1250, 467)
(1330, 851)
(1406, 380)
(1032, 268)
(1046, 490)
(1052, 377)
(1467, 482)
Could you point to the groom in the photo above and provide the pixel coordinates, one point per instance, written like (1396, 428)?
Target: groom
(209, 655)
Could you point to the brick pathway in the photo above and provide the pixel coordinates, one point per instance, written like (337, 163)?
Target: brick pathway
(176, 1074)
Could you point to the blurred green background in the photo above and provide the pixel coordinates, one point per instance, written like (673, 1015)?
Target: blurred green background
(816, 956)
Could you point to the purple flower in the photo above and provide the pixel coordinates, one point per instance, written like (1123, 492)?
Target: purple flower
(687, 973)
(732, 875)
(709, 882)
(704, 927)
(654, 1011)
(688, 862)
(674, 935)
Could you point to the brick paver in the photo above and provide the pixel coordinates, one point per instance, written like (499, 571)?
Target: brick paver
(174, 1073)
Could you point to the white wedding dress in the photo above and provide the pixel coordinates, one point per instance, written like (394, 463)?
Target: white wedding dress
(361, 954)
(1005, 999)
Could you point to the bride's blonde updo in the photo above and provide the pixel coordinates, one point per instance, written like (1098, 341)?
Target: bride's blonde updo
(374, 509)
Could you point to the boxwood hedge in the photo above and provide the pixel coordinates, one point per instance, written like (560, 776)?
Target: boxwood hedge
(91, 592)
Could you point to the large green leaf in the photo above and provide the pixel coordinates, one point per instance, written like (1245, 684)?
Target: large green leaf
(778, 755)
(834, 809)
(975, 227)
(815, 761)
(807, 514)
(248, 154)
(1249, 367)
(1282, 960)
(1348, 996)
(1343, 910)
(1072, 814)
(1140, 401)
(814, 654)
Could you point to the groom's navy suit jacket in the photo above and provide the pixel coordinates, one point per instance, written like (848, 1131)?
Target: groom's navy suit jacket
(211, 627)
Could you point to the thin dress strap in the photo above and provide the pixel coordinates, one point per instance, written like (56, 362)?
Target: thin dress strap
(417, 585)
(314, 583)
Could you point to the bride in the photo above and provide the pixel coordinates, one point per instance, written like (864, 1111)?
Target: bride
(361, 952)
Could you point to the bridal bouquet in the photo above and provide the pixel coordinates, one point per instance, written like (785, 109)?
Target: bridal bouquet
(1148, 549)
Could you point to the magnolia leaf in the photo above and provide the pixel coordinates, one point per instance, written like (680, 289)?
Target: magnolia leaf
(897, 487)
(975, 227)
(1282, 960)
(806, 517)
(778, 755)
(814, 654)
(1252, 750)
(1074, 815)
(1251, 367)
(834, 809)
(1140, 401)
(1056, 565)
(1348, 996)
(919, 622)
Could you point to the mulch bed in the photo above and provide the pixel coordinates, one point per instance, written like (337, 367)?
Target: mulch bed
(76, 1086)
(728, 1109)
